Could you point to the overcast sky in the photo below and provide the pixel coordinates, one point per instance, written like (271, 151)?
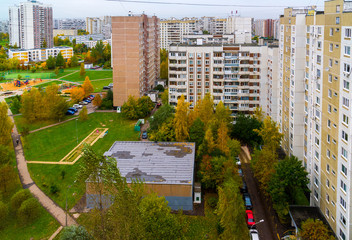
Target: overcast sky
(97, 8)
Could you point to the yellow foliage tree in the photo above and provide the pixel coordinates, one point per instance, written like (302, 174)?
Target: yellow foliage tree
(223, 138)
(181, 120)
(206, 109)
(77, 94)
(6, 124)
(270, 134)
(87, 87)
(209, 140)
(259, 114)
(82, 71)
(222, 114)
(97, 101)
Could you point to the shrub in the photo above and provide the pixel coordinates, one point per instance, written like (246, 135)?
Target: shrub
(25, 131)
(83, 114)
(29, 211)
(4, 212)
(75, 232)
(54, 189)
(19, 198)
(212, 202)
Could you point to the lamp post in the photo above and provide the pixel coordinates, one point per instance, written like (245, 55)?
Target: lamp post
(260, 221)
(68, 187)
(76, 131)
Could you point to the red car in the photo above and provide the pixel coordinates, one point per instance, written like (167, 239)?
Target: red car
(250, 218)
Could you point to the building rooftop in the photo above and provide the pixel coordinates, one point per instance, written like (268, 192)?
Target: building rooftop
(215, 45)
(155, 162)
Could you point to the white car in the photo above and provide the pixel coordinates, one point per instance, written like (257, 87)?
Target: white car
(83, 103)
(77, 106)
(253, 234)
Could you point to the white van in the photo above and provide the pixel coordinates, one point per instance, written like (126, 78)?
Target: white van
(253, 234)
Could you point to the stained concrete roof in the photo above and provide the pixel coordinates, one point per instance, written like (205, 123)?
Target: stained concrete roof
(155, 162)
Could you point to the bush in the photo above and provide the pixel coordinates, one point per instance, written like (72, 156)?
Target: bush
(213, 202)
(25, 131)
(75, 232)
(4, 212)
(159, 88)
(83, 114)
(19, 198)
(29, 211)
(5, 155)
(106, 104)
(54, 189)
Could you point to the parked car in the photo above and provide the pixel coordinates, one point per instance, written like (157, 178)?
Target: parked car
(247, 201)
(238, 161)
(106, 87)
(73, 109)
(244, 188)
(253, 233)
(145, 135)
(111, 85)
(83, 103)
(77, 106)
(240, 173)
(158, 104)
(92, 96)
(87, 100)
(250, 218)
(70, 112)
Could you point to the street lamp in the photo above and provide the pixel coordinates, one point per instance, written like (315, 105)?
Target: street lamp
(260, 221)
(68, 187)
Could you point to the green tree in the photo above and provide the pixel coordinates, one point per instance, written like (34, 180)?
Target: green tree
(6, 125)
(83, 114)
(98, 52)
(74, 61)
(315, 229)
(165, 97)
(60, 61)
(129, 109)
(29, 211)
(231, 210)
(75, 233)
(158, 220)
(159, 117)
(56, 71)
(243, 130)
(44, 44)
(289, 179)
(145, 106)
(181, 120)
(51, 62)
(165, 133)
(212, 171)
(164, 70)
(82, 71)
(18, 198)
(5, 154)
(8, 179)
(197, 132)
(4, 212)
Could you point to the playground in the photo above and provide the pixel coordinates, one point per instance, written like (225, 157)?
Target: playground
(10, 75)
(20, 85)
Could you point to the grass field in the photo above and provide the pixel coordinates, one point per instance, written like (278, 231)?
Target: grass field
(21, 122)
(99, 84)
(42, 228)
(54, 143)
(43, 75)
(49, 83)
(92, 74)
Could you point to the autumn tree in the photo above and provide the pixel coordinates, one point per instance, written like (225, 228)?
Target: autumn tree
(74, 61)
(130, 109)
(6, 125)
(87, 87)
(208, 145)
(97, 101)
(57, 104)
(145, 106)
(82, 71)
(223, 138)
(5, 154)
(181, 115)
(77, 94)
(231, 210)
(165, 132)
(270, 134)
(222, 114)
(212, 170)
(159, 117)
(164, 70)
(165, 97)
(4, 212)
(83, 114)
(206, 109)
(314, 229)
(8, 179)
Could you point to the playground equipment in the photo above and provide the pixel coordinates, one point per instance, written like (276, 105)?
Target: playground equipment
(17, 83)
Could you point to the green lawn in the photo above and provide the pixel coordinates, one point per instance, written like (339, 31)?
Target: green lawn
(99, 84)
(54, 143)
(49, 83)
(21, 122)
(43, 75)
(92, 74)
(42, 228)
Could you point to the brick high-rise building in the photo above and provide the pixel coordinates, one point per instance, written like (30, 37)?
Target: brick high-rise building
(135, 56)
(31, 25)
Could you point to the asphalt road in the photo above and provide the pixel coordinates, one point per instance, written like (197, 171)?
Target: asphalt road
(266, 229)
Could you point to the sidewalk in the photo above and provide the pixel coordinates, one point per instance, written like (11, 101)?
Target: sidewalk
(58, 213)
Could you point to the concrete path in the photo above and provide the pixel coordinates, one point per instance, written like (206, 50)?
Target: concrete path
(58, 213)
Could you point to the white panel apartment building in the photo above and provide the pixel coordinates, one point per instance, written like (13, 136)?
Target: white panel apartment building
(234, 74)
(30, 25)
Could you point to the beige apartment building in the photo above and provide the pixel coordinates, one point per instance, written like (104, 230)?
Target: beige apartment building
(135, 56)
(314, 107)
(237, 75)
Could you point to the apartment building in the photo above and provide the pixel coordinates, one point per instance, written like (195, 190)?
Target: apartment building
(31, 25)
(4, 26)
(135, 56)
(83, 38)
(233, 74)
(174, 30)
(314, 107)
(99, 25)
(70, 23)
(35, 55)
(208, 38)
(267, 28)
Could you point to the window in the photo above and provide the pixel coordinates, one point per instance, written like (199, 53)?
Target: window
(347, 50)
(330, 64)
(343, 186)
(329, 93)
(316, 182)
(316, 168)
(344, 136)
(331, 31)
(346, 84)
(337, 8)
(327, 213)
(346, 68)
(328, 155)
(316, 195)
(344, 169)
(345, 119)
(318, 59)
(327, 183)
(328, 138)
(319, 45)
(337, 20)
(316, 141)
(345, 102)
(329, 123)
(348, 33)
(342, 202)
(331, 47)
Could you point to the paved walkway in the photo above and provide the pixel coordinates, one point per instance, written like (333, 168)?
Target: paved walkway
(58, 213)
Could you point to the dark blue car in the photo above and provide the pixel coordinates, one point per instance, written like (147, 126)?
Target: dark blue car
(70, 112)
(247, 201)
(73, 109)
